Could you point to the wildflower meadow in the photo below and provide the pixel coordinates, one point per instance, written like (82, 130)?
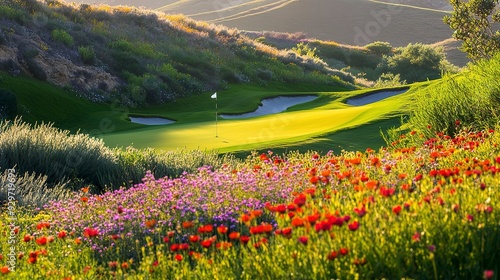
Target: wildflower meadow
(417, 209)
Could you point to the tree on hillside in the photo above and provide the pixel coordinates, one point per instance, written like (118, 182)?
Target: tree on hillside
(474, 23)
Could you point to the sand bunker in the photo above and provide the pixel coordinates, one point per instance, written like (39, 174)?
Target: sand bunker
(373, 97)
(272, 106)
(150, 121)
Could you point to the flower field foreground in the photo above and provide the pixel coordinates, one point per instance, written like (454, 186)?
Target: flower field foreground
(427, 212)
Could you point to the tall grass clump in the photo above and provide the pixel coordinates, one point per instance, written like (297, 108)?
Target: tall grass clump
(55, 153)
(32, 190)
(134, 163)
(471, 99)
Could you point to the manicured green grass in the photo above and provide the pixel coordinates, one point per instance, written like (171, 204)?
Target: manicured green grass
(306, 124)
(325, 115)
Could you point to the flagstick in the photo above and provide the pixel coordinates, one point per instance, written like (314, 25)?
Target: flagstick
(216, 135)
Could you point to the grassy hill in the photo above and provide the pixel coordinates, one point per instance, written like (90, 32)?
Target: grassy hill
(140, 56)
(342, 21)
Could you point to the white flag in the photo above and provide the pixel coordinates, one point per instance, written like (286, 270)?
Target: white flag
(214, 96)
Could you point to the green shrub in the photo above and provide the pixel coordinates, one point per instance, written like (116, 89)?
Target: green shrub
(54, 153)
(61, 36)
(133, 163)
(8, 104)
(472, 99)
(415, 62)
(35, 69)
(379, 48)
(87, 54)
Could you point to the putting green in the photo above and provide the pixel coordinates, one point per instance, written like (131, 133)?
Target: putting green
(260, 132)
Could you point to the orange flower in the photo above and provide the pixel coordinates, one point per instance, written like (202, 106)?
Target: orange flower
(78, 241)
(222, 229)
(205, 229)
(41, 241)
(187, 224)
(297, 222)
(61, 234)
(150, 223)
(85, 190)
(43, 225)
(256, 213)
(4, 269)
(234, 235)
(125, 265)
(84, 199)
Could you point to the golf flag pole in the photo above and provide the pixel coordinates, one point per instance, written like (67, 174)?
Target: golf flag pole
(214, 96)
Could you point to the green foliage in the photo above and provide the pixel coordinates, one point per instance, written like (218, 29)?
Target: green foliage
(54, 153)
(415, 62)
(379, 48)
(304, 49)
(61, 36)
(472, 99)
(8, 104)
(87, 54)
(12, 13)
(476, 24)
(58, 159)
(388, 80)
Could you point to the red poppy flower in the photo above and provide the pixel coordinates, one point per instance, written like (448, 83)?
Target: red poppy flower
(90, 232)
(416, 237)
(41, 241)
(166, 239)
(488, 274)
(206, 243)
(353, 226)
(344, 251)
(119, 209)
(222, 229)
(287, 232)
(300, 200)
(184, 246)
(43, 225)
(281, 208)
(205, 229)
(61, 234)
(313, 218)
(323, 225)
(234, 235)
(84, 199)
(303, 240)
(333, 255)
(174, 247)
(194, 238)
(360, 211)
(178, 257)
(32, 260)
(244, 239)
(256, 213)
(396, 209)
(27, 238)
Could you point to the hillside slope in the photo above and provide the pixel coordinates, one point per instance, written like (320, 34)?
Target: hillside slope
(139, 56)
